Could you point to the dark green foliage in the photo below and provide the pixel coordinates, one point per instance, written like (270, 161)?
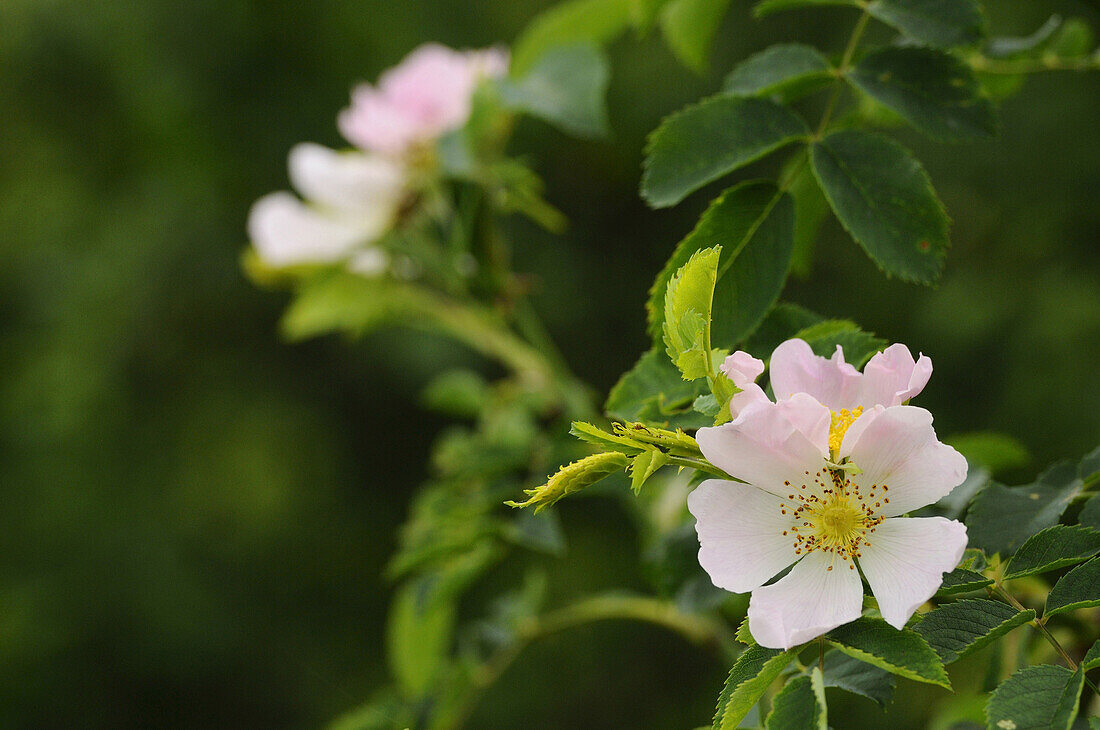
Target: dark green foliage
(654, 393)
(961, 580)
(960, 628)
(1042, 697)
(859, 677)
(1053, 548)
(933, 90)
(710, 139)
(754, 224)
(566, 87)
(787, 69)
(749, 677)
(942, 23)
(904, 652)
(885, 200)
(1079, 588)
(689, 28)
(799, 705)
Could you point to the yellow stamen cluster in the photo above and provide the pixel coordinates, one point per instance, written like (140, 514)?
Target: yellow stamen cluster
(839, 426)
(835, 517)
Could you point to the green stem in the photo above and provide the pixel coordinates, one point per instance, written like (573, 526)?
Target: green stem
(842, 69)
(1041, 627)
(985, 64)
(699, 630)
(700, 465)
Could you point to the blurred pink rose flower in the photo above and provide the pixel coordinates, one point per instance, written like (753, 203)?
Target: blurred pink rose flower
(427, 94)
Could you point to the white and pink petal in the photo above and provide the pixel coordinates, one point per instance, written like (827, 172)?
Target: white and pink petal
(892, 377)
(904, 560)
(794, 368)
(820, 593)
(744, 535)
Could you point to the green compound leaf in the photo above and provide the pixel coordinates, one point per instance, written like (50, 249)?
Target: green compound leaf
(573, 477)
(885, 200)
(1002, 518)
(1092, 658)
(689, 27)
(1042, 697)
(943, 23)
(963, 627)
(904, 653)
(931, 89)
(687, 313)
(749, 677)
(653, 393)
(579, 21)
(858, 345)
(767, 7)
(787, 69)
(703, 142)
(754, 222)
(607, 441)
(1053, 548)
(858, 677)
(961, 580)
(800, 705)
(1079, 588)
(566, 87)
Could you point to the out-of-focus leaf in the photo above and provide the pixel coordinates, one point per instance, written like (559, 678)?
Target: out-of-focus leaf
(1043, 697)
(754, 222)
(884, 198)
(933, 90)
(787, 69)
(419, 635)
(749, 677)
(705, 141)
(689, 27)
(963, 627)
(1090, 515)
(1053, 548)
(1002, 518)
(460, 393)
(539, 531)
(783, 322)
(767, 7)
(904, 652)
(1079, 588)
(943, 23)
(997, 452)
(566, 87)
(578, 21)
(653, 392)
(810, 210)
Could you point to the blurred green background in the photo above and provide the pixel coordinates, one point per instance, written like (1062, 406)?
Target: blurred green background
(195, 515)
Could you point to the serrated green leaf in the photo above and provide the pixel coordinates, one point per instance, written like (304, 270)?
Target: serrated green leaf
(904, 653)
(931, 89)
(573, 477)
(787, 69)
(800, 705)
(593, 21)
(687, 313)
(644, 465)
(689, 27)
(943, 23)
(754, 222)
(884, 198)
(767, 7)
(961, 580)
(743, 634)
(749, 677)
(852, 675)
(963, 627)
(1001, 518)
(565, 86)
(1042, 697)
(1079, 588)
(858, 346)
(1092, 658)
(607, 441)
(652, 392)
(705, 141)
(996, 452)
(1053, 548)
